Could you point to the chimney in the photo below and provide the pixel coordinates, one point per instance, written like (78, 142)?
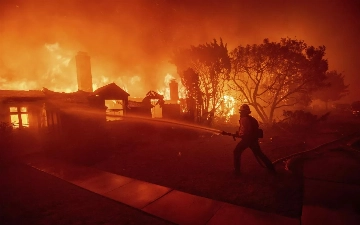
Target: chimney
(174, 90)
(83, 69)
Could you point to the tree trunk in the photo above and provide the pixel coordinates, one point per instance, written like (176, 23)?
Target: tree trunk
(260, 113)
(271, 115)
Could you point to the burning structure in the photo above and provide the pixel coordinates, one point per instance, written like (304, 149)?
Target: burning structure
(46, 108)
(113, 98)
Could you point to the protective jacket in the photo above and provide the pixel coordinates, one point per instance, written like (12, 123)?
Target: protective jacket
(248, 128)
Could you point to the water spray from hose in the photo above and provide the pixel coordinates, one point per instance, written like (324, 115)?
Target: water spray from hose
(176, 123)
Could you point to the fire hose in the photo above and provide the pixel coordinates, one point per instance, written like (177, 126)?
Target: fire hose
(236, 135)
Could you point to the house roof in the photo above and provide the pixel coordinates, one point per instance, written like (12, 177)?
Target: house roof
(111, 91)
(75, 97)
(20, 94)
(75, 103)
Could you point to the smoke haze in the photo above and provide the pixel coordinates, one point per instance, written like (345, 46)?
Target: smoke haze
(130, 42)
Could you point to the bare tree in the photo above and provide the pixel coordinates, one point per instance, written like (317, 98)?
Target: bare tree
(273, 75)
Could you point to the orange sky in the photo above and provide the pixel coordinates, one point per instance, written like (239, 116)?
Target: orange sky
(130, 42)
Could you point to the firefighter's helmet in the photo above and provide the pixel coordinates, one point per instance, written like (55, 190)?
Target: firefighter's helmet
(244, 108)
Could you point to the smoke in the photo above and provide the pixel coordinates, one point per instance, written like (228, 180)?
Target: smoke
(131, 42)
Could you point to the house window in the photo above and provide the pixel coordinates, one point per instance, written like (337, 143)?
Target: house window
(19, 117)
(115, 109)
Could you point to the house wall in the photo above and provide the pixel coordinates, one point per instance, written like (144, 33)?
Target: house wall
(32, 115)
(139, 111)
(171, 111)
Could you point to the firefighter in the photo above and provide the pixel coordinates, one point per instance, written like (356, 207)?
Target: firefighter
(249, 134)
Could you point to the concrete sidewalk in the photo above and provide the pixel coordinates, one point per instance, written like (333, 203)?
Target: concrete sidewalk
(169, 204)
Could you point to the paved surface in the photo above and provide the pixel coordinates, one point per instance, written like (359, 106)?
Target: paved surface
(325, 201)
(331, 193)
(318, 194)
(171, 205)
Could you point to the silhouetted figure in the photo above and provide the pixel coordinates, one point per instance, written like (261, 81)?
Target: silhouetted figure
(249, 134)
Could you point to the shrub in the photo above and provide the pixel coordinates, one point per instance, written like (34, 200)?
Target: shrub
(300, 120)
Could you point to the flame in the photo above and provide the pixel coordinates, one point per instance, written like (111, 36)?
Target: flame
(182, 91)
(58, 63)
(99, 82)
(228, 107)
(55, 69)
(165, 90)
(135, 79)
(18, 85)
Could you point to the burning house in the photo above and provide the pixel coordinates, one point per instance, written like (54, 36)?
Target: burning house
(46, 108)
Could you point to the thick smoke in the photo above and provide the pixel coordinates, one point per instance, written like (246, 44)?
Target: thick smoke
(131, 42)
